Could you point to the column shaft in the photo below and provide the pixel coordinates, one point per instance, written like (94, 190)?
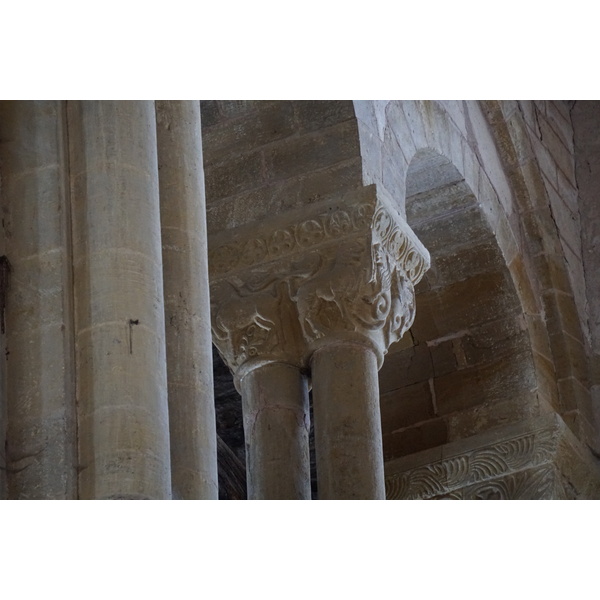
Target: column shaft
(119, 307)
(36, 274)
(276, 426)
(348, 440)
(187, 302)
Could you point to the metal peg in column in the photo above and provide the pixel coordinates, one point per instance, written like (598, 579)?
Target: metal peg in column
(119, 307)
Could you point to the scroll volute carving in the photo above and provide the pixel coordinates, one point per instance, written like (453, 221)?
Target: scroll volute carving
(365, 286)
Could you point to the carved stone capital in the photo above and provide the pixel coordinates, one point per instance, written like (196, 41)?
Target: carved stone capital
(535, 459)
(335, 270)
(364, 287)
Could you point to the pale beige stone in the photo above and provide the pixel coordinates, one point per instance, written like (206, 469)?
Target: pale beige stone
(119, 307)
(187, 302)
(348, 440)
(276, 426)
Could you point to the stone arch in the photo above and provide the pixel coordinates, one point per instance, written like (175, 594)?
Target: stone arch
(466, 364)
(265, 158)
(566, 333)
(488, 147)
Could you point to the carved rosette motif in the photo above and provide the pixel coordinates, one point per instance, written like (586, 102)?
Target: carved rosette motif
(289, 284)
(365, 285)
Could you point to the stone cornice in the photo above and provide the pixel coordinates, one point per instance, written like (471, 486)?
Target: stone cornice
(537, 459)
(294, 233)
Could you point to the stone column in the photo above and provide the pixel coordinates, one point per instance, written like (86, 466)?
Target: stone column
(119, 308)
(255, 330)
(347, 422)
(36, 303)
(359, 302)
(276, 426)
(187, 303)
(332, 287)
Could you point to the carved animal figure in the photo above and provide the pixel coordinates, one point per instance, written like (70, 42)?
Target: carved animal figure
(324, 300)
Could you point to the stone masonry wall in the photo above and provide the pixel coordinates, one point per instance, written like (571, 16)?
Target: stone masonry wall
(262, 158)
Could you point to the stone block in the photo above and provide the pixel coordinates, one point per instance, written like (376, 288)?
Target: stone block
(568, 354)
(438, 202)
(546, 380)
(225, 140)
(559, 119)
(393, 166)
(415, 439)
(567, 221)
(561, 155)
(406, 406)
(538, 336)
(574, 396)
(495, 340)
(551, 271)
(399, 128)
(476, 259)
(568, 193)
(414, 120)
(562, 314)
(546, 162)
(209, 112)
(528, 297)
(370, 150)
(463, 305)
(540, 231)
(311, 152)
(405, 368)
(312, 115)
(443, 357)
(494, 381)
(490, 414)
(37, 293)
(519, 137)
(447, 232)
(232, 109)
(237, 175)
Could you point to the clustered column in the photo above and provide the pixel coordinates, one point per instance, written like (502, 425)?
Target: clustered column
(324, 296)
(104, 237)
(119, 307)
(108, 309)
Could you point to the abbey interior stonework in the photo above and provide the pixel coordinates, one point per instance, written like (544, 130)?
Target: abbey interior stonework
(300, 300)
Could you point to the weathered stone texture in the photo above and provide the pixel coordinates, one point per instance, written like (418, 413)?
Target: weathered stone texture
(536, 459)
(119, 308)
(321, 217)
(187, 302)
(41, 433)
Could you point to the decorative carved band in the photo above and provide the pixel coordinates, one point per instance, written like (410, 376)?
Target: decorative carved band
(544, 462)
(320, 229)
(279, 293)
